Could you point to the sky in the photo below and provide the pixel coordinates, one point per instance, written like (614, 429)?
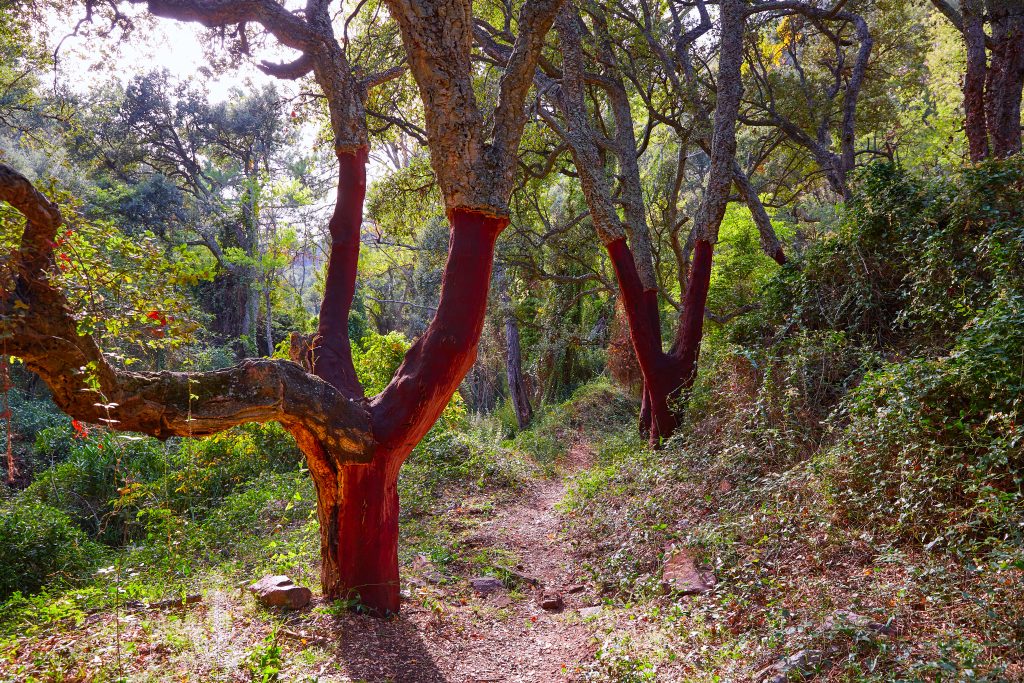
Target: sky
(155, 44)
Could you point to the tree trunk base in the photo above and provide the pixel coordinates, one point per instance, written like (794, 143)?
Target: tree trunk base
(359, 536)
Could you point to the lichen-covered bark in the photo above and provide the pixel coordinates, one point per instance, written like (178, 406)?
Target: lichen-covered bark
(513, 356)
(474, 172)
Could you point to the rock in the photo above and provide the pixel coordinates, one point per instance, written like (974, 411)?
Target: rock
(844, 618)
(681, 574)
(590, 612)
(485, 585)
(578, 588)
(279, 591)
(550, 600)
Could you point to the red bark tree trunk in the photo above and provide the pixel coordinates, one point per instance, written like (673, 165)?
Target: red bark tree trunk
(686, 349)
(667, 376)
(435, 365)
(357, 505)
(360, 536)
(332, 348)
(645, 330)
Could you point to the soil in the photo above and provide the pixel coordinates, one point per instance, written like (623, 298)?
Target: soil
(504, 637)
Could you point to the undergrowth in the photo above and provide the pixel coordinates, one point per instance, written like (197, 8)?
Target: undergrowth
(853, 446)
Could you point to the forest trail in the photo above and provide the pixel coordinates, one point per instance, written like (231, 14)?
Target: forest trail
(504, 637)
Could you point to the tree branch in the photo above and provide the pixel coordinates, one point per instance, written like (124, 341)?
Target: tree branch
(37, 326)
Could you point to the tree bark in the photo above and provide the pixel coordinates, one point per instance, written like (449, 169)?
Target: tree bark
(514, 359)
(1006, 76)
(974, 80)
(994, 79)
(333, 350)
(357, 507)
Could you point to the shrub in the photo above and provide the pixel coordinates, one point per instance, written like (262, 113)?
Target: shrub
(40, 544)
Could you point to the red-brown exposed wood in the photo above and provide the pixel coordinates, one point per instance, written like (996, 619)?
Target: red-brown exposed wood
(359, 532)
(645, 330)
(994, 77)
(437, 362)
(332, 359)
(686, 349)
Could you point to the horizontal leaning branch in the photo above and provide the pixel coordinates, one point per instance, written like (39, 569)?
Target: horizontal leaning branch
(36, 325)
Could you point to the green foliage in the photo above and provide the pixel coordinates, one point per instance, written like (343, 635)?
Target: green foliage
(40, 545)
(265, 661)
(376, 358)
(616, 662)
(473, 458)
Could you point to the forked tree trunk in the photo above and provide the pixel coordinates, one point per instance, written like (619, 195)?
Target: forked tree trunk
(334, 425)
(357, 504)
(668, 376)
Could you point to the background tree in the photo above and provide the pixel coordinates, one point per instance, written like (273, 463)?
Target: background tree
(994, 78)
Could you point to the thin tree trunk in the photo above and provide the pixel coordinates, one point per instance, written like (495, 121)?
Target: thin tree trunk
(514, 369)
(686, 350)
(333, 349)
(513, 355)
(268, 326)
(974, 80)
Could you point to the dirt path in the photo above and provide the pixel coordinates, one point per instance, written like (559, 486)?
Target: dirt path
(505, 637)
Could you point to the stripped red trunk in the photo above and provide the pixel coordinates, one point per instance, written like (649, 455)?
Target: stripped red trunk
(358, 504)
(667, 376)
(435, 365)
(359, 534)
(645, 330)
(333, 351)
(686, 349)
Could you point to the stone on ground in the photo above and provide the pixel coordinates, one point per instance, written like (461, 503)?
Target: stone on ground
(485, 585)
(550, 600)
(681, 574)
(280, 591)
